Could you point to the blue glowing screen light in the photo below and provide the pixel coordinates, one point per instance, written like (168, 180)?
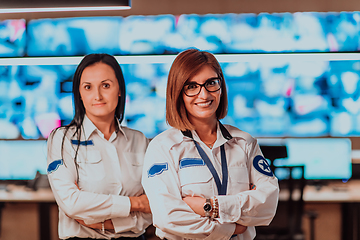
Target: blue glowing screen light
(20, 160)
(293, 86)
(217, 33)
(12, 38)
(270, 95)
(323, 158)
(266, 100)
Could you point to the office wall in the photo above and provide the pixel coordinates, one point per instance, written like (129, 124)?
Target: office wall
(153, 7)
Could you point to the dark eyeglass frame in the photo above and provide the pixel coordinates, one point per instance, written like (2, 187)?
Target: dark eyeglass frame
(203, 85)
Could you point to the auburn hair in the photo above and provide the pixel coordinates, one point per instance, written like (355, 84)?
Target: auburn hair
(186, 65)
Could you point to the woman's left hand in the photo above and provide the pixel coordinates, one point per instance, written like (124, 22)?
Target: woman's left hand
(196, 204)
(107, 224)
(94, 226)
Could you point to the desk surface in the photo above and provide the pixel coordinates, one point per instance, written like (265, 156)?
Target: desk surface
(334, 192)
(22, 194)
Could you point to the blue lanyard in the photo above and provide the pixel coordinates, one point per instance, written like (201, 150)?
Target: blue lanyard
(221, 186)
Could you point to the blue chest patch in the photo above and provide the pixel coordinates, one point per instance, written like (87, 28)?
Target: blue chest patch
(191, 162)
(262, 166)
(54, 166)
(157, 169)
(82, 143)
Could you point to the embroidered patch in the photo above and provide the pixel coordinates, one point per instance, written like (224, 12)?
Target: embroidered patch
(191, 162)
(82, 143)
(157, 169)
(54, 166)
(262, 166)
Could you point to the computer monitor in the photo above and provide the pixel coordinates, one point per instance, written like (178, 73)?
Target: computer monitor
(323, 158)
(21, 159)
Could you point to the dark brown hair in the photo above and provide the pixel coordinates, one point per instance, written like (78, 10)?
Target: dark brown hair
(77, 121)
(186, 65)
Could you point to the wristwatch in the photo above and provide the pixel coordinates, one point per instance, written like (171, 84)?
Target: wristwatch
(207, 207)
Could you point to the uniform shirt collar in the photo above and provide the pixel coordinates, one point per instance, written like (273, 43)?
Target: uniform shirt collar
(89, 128)
(223, 135)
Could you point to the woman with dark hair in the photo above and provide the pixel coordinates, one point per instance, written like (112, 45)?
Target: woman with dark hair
(94, 163)
(205, 180)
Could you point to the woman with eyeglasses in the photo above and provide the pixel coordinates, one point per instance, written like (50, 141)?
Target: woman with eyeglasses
(203, 179)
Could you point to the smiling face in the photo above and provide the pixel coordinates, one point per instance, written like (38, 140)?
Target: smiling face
(99, 91)
(202, 107)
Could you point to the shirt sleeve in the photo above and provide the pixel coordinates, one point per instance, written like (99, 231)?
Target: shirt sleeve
(253, 207)
(136, 222)
(77, 204)
(170, 213)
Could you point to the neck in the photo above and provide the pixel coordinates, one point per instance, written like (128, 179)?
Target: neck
(206, 131)
(106, 125)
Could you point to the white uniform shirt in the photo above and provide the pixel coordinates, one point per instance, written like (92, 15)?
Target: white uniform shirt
(109, 172)
(173, 169)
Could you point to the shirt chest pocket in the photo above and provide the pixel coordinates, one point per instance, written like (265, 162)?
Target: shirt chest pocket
(239, 180)
(134, 170)
(196, 181)
(91, 166)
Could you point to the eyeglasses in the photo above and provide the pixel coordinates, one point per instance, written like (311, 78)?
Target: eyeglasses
(211, 85)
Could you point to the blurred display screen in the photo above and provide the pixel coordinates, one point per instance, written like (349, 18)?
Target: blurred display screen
(12, 38)
(217, 33)
(170, 34)
(323, 158)
(266, 98)
(20, 160)
(294, 98)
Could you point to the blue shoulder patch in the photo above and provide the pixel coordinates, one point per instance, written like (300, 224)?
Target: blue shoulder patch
(262, 166)
(157, 169)
(54, 166)
(82, 143)
(191, 162)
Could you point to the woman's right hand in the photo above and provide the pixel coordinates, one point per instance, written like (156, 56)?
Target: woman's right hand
(140, 204)
(239, 229)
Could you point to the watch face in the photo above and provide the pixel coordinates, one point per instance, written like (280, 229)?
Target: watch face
(207, 207)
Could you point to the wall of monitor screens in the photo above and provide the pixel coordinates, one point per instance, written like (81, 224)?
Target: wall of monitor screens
(275, 98)
(288, 74)
(298, 78)
(169, 34)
